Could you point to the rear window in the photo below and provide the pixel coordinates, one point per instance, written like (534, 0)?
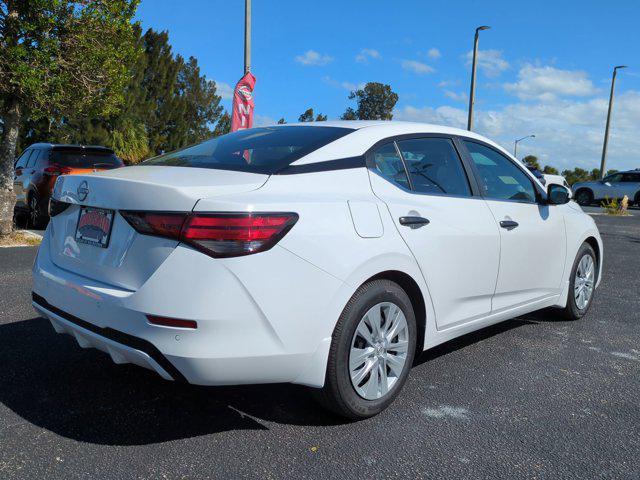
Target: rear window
(85, 159)
(258, 150)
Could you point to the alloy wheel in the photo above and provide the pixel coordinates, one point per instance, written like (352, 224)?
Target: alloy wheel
(379, 349)
(584, 281)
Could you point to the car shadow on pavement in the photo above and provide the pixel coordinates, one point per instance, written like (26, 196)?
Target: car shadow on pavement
(51, 382)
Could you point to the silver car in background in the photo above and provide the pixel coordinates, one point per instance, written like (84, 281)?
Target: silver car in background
(616, 185)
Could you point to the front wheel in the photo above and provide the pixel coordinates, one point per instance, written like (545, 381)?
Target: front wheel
(582, 283)
(584, 198)
(372, 350)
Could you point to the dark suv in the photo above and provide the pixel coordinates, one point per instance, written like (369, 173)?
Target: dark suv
(38, 167)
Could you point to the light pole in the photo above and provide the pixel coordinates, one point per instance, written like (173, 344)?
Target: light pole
(247, 36)
(603, 162)
(515, 144)
(473, 75)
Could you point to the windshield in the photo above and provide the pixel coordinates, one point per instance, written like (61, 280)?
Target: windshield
(258, 150)
(85, 159)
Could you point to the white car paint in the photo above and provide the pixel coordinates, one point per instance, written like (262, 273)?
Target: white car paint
(269, 317)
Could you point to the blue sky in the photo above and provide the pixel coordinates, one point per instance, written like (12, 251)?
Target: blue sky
(545, 67)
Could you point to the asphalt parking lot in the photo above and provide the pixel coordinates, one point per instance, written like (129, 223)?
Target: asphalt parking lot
(534, 397)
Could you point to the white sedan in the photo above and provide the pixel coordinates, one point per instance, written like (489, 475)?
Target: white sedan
(328, 255)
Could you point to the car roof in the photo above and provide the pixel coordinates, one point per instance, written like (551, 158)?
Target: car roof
(69, 146)
(368, 132)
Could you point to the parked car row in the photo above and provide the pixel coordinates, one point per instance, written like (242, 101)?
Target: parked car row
(614, 186)
(37, 169)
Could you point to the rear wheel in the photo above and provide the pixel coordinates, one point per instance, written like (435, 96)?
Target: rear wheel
(37, 219)
(584, 197)
(582, 284)
(371, 353)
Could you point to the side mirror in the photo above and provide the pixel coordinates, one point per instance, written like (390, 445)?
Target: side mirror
(558, 194)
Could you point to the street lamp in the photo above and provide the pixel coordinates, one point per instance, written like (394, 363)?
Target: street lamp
(473, 75)
(515, 144)
(603, 162)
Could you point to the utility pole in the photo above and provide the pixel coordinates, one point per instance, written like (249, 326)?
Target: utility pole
(603, 162)
(473, 76)
(247, 36)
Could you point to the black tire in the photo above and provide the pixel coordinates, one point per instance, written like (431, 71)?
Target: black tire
(572, 311)
(338, 393)
(37, 218)
(584, 197)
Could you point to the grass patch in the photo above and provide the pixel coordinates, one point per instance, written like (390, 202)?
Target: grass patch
(615, 207)
(20, 238)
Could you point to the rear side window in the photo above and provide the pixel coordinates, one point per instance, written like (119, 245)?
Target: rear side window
(389, 164)
(434, 166)
(501, 178)
(85, 158)
(258, 150)
(631, 177)
(32, 159)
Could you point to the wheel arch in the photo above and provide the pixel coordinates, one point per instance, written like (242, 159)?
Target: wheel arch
(593, 242)
(411, 287)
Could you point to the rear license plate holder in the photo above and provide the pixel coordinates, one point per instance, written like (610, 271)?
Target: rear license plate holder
(94, 226)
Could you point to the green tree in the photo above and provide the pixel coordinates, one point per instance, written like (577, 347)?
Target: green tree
(549, 170)
(532, 161)
(59, 58)
(281, 121)
(375, 102)
(223, 126)
(308, 116)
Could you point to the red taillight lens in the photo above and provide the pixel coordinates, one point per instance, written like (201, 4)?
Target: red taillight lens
(57, 169)
(216, 234)
(235, 234)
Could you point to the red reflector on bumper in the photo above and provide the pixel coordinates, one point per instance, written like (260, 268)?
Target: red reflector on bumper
(172, 322)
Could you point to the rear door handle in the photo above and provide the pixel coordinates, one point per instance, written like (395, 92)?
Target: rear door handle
(508, 224)
(414, 222)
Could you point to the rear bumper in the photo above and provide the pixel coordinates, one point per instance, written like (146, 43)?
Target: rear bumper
(260, 320)
(122, 348)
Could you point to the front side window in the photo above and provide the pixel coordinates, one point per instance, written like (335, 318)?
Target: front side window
(501, 178)
(389, 164)
(434, 166)
(258, 150)
(614, 178)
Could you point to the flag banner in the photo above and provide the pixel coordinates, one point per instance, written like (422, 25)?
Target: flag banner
(243, 103)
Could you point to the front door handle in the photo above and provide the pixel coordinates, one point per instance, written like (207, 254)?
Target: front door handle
(414, 222)
(508, 224)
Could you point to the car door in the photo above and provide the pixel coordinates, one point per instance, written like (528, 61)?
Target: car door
(446, 224)
(630, 185)
(29, 171)
(18, 178)
(532, 233)
(612, 187)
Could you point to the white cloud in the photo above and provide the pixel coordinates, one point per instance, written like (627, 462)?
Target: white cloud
(568, 132)
(489, 61)
(457, 96)
(263, 120)
(224, 90)
(416, 67)
(367, 54)
(548, 83)
(350, 86)
(311, 57)
(434, 53)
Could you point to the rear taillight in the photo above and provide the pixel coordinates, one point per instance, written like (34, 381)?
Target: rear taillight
(216, 234)
(56, 207)
(57, 169)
